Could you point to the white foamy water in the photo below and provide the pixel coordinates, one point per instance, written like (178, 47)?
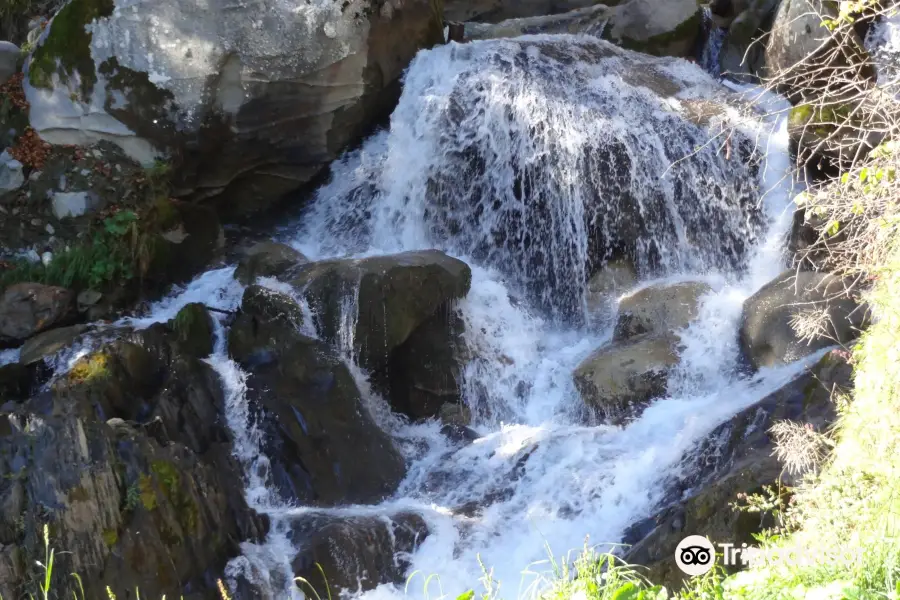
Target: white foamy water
(883, 44)
(9, 356)
(216, 288)
(533, 160)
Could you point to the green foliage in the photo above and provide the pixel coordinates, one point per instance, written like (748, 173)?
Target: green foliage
(107, 257)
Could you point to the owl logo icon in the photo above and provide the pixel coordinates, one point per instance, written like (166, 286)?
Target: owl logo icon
(695, 555)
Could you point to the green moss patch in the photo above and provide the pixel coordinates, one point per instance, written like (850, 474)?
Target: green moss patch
(67, 48)
(661, 45)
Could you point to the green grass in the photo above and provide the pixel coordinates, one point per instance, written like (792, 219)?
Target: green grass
(107, 256)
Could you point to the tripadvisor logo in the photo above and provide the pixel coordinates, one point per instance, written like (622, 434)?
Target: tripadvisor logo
(695, 555)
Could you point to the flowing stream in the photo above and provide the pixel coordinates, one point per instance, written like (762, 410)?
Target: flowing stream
(535, 160)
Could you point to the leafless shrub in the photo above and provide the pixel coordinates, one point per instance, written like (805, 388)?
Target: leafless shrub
(846, 125)
(798, 446)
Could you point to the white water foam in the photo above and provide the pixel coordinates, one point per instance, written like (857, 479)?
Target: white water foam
(9, 356)
(216, 288)
(883, 44)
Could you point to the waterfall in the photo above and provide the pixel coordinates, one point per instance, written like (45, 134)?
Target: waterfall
(517, 155)
(536, 160)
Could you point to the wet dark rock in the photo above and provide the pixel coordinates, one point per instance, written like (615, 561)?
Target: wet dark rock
(130, 464)
(267, 259)
(747, 21)
(455, 414)
(767, 336)
(391, 296)
(30, 308)
(48, 343)
(355, 553)
(194, 330)
(737, 458)
(15, 382)
(459, 433)
(325, 447)
(191, 238)
(423, 373)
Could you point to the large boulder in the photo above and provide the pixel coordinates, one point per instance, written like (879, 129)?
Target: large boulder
(249, 101)
(128, 460)
(616, 380)
(30, 308)
(768, 335)
(324, 446)
(658, 309)
(424, 372)
(267, 259)
(659, 27)
(798, 32)
(355, 554)
(378, 302)
(737, 458)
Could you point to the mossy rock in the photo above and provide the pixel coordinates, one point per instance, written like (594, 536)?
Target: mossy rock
(678, 42)
(194, 330)
(66, 49)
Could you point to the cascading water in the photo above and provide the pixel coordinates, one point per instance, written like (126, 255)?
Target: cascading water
(508, 152)
(535, 160)
(883, 44)
(713, 39)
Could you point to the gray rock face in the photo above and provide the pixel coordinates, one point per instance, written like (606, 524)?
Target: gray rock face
(11, 175)
(658, 27)
(49, 343)
(615, 380)
(267, 259)
(390, 296)
(494, 11)
(9, 58)
(767, 336)
(74, 204)
(30, 308)
(279, 88)
(659, 309)
(797, 32)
